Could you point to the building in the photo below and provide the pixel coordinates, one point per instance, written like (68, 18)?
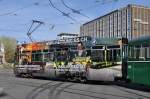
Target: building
(62, 36)
(2, 54)
(130, 22)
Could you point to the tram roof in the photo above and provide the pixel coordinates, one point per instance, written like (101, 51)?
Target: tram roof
(140, 40)
(107, 41)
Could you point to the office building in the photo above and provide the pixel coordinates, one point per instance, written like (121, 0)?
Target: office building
(131, 22)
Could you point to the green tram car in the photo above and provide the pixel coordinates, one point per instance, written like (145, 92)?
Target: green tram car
(138, 68)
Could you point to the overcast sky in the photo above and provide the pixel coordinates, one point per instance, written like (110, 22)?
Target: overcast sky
(16, 16)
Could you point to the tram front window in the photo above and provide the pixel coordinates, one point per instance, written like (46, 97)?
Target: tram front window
(98, 53)
(61, 56)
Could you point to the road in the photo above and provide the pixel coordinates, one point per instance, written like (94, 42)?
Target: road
(27, 88)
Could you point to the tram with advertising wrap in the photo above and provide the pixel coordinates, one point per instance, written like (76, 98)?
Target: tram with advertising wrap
(72, 59)
(53, 59)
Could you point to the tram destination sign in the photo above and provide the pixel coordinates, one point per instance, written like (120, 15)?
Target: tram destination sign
(76, 39)
(69, 40)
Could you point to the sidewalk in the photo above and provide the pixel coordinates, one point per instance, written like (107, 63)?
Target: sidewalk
(1, 91)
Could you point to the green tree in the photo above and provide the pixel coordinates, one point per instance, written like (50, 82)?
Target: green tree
(9, 47)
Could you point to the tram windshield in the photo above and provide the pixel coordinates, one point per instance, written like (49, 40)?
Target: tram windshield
(97, 54)
(106, 55)
(61, 54)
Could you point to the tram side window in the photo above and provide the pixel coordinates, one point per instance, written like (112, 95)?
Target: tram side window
(116, 55)
(139, 53)
(142, 53)
(109, 55)
(148, 53)
(129, 53)
(48, 57)
(33, 57)
(113, 55)
(136, 53)
(37, 57)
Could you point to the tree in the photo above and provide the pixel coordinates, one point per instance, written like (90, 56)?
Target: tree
(9, 47)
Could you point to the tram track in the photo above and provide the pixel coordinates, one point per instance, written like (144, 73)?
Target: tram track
(61, 90)
(23, 83)
(94, 92)
(53, 95)
(53, 89)
(33, 93)
(131, 92)
(58, 89)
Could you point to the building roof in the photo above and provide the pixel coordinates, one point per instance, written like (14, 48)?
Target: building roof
(129, 5)
(107, 41)
(101, 17)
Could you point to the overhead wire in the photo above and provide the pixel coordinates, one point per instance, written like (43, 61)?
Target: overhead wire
(12, 30)
(19, 9)
(73, 10)
(50, 25)
(53, 25)
(62, 12)
(105, 1)
(97, 3)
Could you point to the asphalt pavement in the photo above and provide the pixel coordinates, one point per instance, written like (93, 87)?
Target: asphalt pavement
(27, 88)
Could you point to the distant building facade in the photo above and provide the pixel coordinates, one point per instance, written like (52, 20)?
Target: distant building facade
(2, 54)
(62, 36)
(130, 22)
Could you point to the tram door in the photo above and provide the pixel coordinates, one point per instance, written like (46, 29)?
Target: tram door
(114, 54)
(124, 55)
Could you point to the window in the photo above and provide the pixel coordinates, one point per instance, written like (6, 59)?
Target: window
(148, 53)
(142, 53)
(139, 53)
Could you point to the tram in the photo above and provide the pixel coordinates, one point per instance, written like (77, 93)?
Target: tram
(73, 59)
(138, 62)
(53, 59)
(107, 60)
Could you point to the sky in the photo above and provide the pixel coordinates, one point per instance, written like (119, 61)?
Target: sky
(16, 16)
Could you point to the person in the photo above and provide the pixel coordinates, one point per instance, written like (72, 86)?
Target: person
(80, 48)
